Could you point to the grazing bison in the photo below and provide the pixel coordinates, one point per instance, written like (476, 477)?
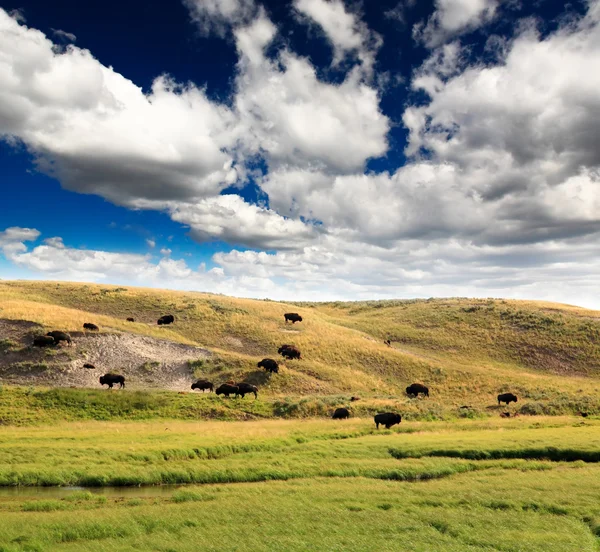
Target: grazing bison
(131, 319)
(388, 342)
(388, 419)
(244, 388)
(227, 389)
(203, 385)
(90, 366)
(43, 341)
(60, 336)
(417, 388)
(341, 414)
(111, 379)
(89, 326)
(289, 351)
(506, 398)
(292, 317)
(355, 398)
(166, 319)
(269, 365)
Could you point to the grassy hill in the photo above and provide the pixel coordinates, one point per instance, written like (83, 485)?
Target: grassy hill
(466, 351)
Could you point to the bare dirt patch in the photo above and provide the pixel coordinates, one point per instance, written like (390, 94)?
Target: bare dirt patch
(145, 362)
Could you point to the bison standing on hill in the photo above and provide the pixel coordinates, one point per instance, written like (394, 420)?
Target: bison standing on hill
(131, 319)
(290, 352)
(388, 419)
(90, 326)
(292, 317)
(111, 379)
(269, 365)
(43, 341)
(166, 319)
(416, 388)
(60, 336)
(227, 389)
(203, 385)
(506, 398)
(247, 388)
(341, 414)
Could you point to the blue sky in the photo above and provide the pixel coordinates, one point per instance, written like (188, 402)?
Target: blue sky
(309, 149)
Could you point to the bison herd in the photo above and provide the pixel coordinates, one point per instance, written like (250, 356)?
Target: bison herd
(241, 389)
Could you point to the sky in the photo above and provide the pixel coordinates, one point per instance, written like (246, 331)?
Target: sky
(304, 149)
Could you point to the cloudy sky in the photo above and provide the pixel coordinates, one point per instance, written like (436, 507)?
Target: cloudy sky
(304, 149)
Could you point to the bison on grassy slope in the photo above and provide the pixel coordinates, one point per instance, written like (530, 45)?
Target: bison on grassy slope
(506, 398)
(166, 319)
(269, 365)
(90, 326)
(388, 419)
(112, 379)
(60, 336)
(203, 385)
(416, 388)
(292, 317)
(290, 352)
(227, 389)
(341, 414)
(43, 341)
(247, 388)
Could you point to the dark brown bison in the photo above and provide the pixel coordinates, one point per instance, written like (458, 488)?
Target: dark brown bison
(355, 398)
(292, 317)
(203, 385)
(111, 379)
(416, 388)
(388, 342)
(90, 326)
(89, 366)
(60, 336)
(290, 352)
(506, 398)
(227, 389)
(166, 319)
(131, 319)
(341, 414)
(43, 341)
(269, 365)
(388, 419)
(247, 388)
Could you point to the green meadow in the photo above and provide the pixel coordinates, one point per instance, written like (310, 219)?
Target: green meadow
(151, 468)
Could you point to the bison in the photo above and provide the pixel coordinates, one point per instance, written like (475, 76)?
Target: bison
(227, 389)
(166, 319)
(269, 365)
(111, 379)
(388, 419)
(292, 317)
(388, 342)
(131, 319)
(43, 341)
(244, 388)
(203, 385)
(355, 398)
(506, 398)
(417, 388)
(89, 366)
(60, 336)
(90, 326)
(341, 414)
(290, 352)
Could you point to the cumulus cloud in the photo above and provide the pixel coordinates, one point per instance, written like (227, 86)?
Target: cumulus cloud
(346, 32)
(217, 16)
(151, 243)
(454, 17)
(12, 240)
(293, 118)
(165, 251)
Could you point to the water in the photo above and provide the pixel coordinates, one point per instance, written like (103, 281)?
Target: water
(109, 492)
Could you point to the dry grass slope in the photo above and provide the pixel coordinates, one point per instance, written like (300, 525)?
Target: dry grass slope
(467, 351)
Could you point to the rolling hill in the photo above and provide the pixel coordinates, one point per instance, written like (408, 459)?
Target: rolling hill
(466, 350)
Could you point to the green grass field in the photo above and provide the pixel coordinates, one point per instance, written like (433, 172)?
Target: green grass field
(167, 471)
(306, 485)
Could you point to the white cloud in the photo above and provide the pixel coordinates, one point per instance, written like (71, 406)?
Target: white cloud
(165, 251)
(218, 15)
(12, 239)
(151, 243)
(453, 17)
(346, 32)
(295, 119)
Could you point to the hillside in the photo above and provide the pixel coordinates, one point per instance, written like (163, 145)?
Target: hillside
(466, 351)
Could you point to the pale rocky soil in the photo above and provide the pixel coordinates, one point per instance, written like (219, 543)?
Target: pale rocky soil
(145, 362)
